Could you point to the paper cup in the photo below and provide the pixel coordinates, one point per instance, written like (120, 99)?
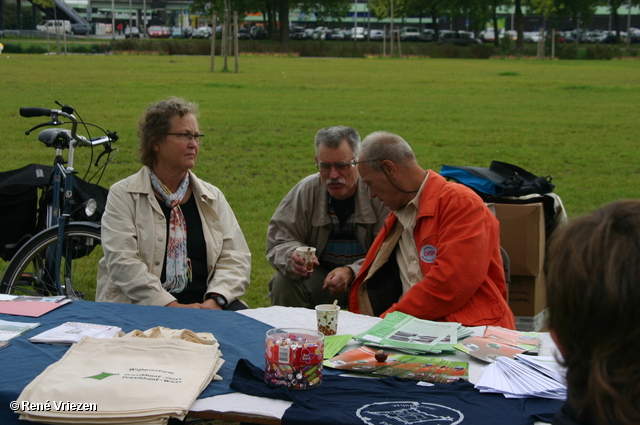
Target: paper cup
(293, 358)
(308, 253)
(327, 316)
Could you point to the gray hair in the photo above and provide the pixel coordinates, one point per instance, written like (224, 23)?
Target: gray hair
(380, 145)
(332, 137)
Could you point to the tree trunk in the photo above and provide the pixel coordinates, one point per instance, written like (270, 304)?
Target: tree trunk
(616, 24)
(519, 28)
(284, 20)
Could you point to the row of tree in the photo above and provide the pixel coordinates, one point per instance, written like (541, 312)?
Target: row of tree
(477, 12)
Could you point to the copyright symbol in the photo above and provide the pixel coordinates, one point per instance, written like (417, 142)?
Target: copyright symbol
(14, 405)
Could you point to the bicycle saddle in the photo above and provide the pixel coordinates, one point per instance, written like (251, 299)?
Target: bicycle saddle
(55, 137)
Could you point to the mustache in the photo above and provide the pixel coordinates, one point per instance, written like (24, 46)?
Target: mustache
(339, 180)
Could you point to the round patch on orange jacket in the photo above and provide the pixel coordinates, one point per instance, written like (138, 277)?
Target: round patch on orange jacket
(428, 253)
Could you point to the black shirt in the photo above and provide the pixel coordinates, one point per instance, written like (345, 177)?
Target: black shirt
(196, 252)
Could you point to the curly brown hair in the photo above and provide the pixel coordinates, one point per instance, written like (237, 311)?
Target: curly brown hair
(155, 123)
(593, 298)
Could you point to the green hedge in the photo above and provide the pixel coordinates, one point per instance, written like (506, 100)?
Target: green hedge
(41, 48)
(329, 49)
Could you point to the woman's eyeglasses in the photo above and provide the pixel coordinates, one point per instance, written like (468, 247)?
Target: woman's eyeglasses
(187, 137)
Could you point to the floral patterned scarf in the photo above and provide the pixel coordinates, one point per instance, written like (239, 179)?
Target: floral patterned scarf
(178, 272)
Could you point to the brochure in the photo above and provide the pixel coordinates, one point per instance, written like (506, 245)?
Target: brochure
(10, 330)
(499, 342)
(487, 349)
(421, 368)
(410, 334)
(527, 340)
(72, 332)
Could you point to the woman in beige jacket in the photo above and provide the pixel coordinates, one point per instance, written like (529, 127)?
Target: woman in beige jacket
(169, 238)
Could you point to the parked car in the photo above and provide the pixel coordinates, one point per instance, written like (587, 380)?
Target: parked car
(334, 34)
(409, 34)
(131, 32)
(258, 33)
(156, 31)
(376, 35)
(318, 33)
(488, 35)
(244, 34)
(297, 33)
(202, 32)
(176, 32)
(81, 28)
(428, 34)
(58, 26)
(459, 39)
(357, 33)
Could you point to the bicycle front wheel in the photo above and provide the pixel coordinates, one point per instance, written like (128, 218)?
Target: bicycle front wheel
(32, 269)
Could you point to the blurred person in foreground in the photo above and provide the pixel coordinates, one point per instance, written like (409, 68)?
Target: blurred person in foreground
(331, 211)
(593, 299)
(170, 238)
(438, 256)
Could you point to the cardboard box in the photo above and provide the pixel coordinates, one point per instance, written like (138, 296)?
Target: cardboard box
(528, 302)
(532, 324)
(527, 295)
(522, 235)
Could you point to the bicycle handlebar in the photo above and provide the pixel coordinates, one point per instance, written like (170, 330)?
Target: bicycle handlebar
(66, 112)
(29, 112)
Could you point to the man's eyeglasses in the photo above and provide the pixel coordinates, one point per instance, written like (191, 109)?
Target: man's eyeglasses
(325, 168)
(187, 137)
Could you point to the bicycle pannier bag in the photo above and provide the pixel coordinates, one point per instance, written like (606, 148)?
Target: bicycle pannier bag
(18, 206)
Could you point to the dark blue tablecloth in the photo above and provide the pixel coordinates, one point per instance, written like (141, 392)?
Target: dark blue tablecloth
(22, 361)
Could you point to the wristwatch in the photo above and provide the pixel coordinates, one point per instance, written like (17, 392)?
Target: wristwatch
(222, 302)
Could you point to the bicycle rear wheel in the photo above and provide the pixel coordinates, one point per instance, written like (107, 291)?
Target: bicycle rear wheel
(32, 269)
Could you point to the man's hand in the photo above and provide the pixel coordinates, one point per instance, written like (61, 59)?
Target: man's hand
(338, 280)
(298, 266)
(177, 304)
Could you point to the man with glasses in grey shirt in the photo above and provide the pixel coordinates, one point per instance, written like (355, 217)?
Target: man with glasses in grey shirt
(331, 211)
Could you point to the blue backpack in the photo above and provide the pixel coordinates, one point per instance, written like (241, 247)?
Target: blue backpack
(500, 179)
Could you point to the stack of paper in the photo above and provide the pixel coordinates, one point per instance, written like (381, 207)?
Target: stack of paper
(127, 380)
(525, 376)
(408, 334)
(72, 332)
(421, 368)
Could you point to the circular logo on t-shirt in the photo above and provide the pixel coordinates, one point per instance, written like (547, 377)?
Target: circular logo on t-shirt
(408, 412)
(428, 253)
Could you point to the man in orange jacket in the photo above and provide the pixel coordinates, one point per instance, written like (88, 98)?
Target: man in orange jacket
(438, 255)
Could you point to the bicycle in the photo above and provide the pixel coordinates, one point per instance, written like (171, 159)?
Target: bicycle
(61, 258)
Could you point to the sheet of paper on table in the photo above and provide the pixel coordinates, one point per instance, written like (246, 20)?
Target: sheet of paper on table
(10, 330)
(72, 332)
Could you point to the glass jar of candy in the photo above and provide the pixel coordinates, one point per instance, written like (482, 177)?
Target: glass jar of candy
(293, 357)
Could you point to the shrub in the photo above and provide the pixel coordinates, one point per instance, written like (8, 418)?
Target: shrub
(600, 51)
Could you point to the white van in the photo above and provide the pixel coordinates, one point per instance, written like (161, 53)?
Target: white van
(50, 27)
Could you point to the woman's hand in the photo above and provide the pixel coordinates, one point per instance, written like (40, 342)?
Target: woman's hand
(210, 304)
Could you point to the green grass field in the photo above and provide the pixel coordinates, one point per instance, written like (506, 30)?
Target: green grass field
(575, 120)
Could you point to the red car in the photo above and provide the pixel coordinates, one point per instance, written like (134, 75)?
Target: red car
(157, 32)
